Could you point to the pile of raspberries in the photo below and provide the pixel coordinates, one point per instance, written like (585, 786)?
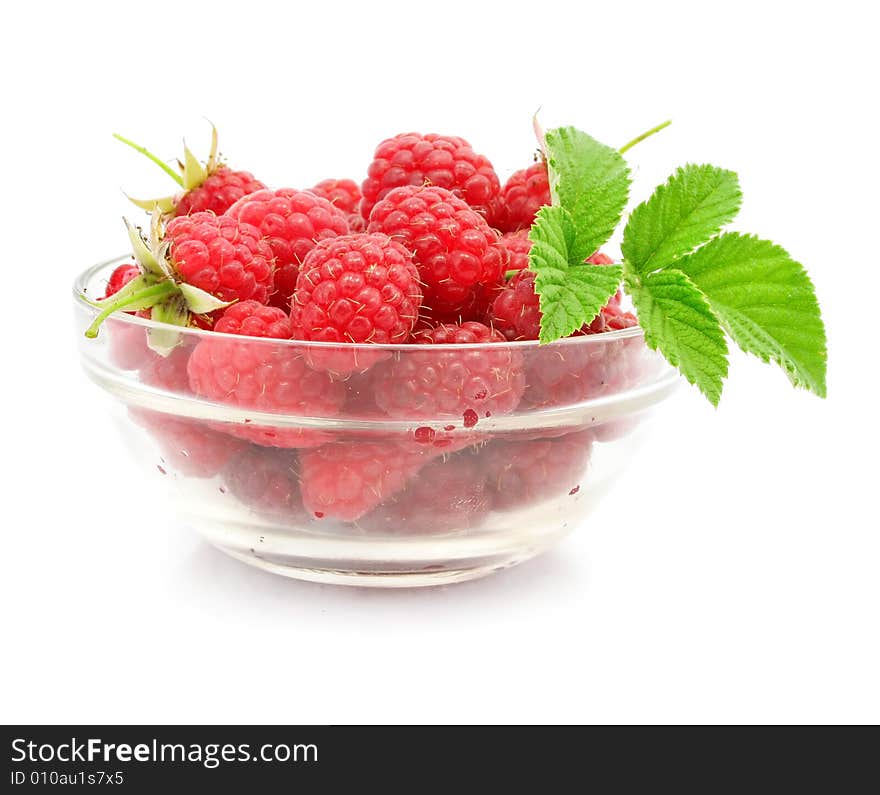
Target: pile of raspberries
(430, 250)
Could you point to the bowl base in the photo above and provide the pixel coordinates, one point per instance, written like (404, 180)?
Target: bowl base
(399, 577)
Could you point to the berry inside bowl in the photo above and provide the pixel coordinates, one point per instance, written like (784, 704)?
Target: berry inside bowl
(379, 465)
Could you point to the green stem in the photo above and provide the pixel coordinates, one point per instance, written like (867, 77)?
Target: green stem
(639, 138)
(162, 164)
(142, 299)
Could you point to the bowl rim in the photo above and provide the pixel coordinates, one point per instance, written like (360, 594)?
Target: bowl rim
(82, 280)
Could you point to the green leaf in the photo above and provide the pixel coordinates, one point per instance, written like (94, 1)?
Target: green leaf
(571, 292)
(679, 322)
(685, 212)
(765, 301)
(591, 181)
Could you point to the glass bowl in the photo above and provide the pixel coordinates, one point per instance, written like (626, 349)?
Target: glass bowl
(391, 465)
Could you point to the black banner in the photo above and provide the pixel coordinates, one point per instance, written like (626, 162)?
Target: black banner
(260, 759)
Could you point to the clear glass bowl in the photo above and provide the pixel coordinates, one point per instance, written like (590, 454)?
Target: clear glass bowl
(396, 465)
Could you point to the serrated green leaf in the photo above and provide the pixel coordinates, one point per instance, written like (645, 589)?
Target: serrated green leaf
(765, 301)
(683, 213)
(571, 293)
(591, 181)
(679, 322)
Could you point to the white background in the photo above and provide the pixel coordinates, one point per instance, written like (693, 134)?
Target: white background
(735, 575)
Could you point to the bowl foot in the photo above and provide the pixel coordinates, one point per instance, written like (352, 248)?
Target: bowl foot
(398, 576)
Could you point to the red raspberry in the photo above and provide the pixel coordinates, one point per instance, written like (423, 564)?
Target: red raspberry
(518, 246)
(212, 187)
(292, 222)
(342, 193)
(357, 288)
(346, 195)
(459, 382)
(448, 494)
(220, 190)
(263, 376)
(168, 372)
(222, 256)
(345, 480)
(516, 314)
(515, 311)
(128, 342)
(121, 276)
(187, 446)
(253, 319)
(440, 160)
(266, 480)
(525, 193)
(569, 373)
(456, 251)
(528, 472)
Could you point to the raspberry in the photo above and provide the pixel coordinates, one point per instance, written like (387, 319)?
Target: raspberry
(447, 494)
(516, 314)
(267, 481)
(515, 311)
(517, 245)
(121, 276)
(342, 193)
(357, 288)
(188, 446)
(458, 382)
(218, 192)
(456, 251)
(253, 319)
(528, 472)
(222, 256)
(212, 187)
(526, 192)
(263, 376)
(611, 318)
(440, 160)
(292, 222)
(128, 342)
(562, 375)
(345, 480)
(168, 372)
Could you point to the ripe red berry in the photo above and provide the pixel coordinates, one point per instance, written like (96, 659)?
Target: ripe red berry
(516, 314)
(456, 251)
(345, 480)
(440, 160)
(168, 372)
(292, 222)
(221, 255)
(341, 193)
(267, 481)
(355, 289)
(122, 275)
(526, 192)
(524, 473)
(515, 311)
(457, 382)
(212, 187)
(186, 446)
(517, 245)
(253, 319)
(450, 493)
(220, 190)
(263, 376)
(127, 342)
